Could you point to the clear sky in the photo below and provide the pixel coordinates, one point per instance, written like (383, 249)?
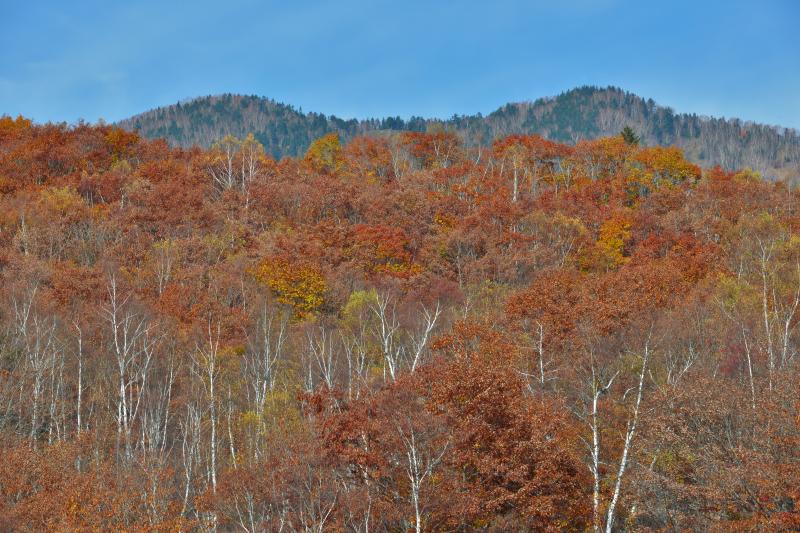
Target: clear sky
(62, 61)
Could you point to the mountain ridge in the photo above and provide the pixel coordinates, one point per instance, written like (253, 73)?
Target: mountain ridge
(582, 113)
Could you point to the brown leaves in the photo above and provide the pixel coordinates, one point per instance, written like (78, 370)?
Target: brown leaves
(513, 452)
(538, 252)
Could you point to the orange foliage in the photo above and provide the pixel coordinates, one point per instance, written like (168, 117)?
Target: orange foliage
(182, 338)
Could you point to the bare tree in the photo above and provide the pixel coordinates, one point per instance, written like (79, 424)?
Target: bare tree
(629, 434)
(420, 462)
(599, 386)
(384, 309)
(354, 345)
(321, 356)
(205, 366)
(132, 345)
(35, 337)
(222, 167)
(419, 339)
(190, 450)
(262, 356)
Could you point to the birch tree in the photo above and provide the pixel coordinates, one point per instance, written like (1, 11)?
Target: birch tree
(132, 343)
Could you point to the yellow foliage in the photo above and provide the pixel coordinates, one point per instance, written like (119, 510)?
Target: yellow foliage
(280, 406)
(122, 166)
(357, 304)
(325, 154)
(250, 418)
(444, 221)
(614, 234)
(732, 291)
(300, 286)
(63, 202)
(659, 165)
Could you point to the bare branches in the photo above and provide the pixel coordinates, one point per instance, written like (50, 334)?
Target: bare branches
(132, 345)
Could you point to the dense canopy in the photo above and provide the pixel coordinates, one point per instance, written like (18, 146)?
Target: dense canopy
(396, 333)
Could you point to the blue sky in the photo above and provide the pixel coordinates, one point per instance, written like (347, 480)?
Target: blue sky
(62, 61)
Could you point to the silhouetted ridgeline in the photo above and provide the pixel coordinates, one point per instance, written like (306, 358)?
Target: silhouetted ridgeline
(583, 113)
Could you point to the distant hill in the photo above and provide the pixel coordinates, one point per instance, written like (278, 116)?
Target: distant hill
(583, 113)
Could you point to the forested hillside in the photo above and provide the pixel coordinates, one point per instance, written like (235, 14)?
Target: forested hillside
(399, 333)
(580, 114)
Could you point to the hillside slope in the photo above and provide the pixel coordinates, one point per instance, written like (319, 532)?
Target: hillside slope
(579, 114)
(181, 351)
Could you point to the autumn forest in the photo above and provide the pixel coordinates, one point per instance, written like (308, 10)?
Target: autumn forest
(401, 332)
